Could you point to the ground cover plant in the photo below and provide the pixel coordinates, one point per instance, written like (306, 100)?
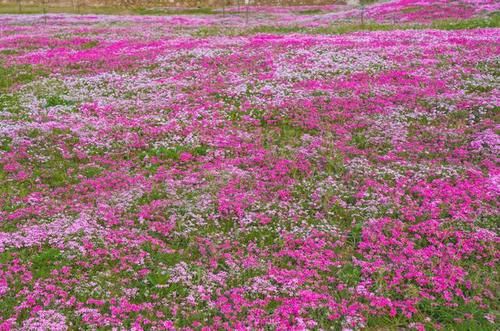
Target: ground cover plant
(159, 174)
(424, 11)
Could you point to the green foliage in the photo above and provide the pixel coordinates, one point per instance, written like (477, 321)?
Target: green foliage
(276, 29)
(18, 74)
(8, 303)
(359, 140)
(9, 102)
(8, 52)
(289, 135)
(92, 172)
(207, 31)
(493, 21)
(45, 261)
(169, 259)
(488, 222)
(173, 153)
(355, 235)
(55, 172)
(5, 144)
(310, 12)
(262, 236)
(163, 152)
(272, 306)
(349, 274)
(448, 316)
(200, 150)
(90, 44)
(184, 11)
(57, 100)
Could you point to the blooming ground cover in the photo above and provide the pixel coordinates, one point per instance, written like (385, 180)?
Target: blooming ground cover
(424, 11)
(154, 179)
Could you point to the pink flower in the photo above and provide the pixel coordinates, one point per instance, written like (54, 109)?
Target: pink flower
(185, 157)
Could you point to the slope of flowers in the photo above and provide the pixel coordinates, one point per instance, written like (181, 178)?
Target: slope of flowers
(422, 11)
(152, 180)
(402, 12)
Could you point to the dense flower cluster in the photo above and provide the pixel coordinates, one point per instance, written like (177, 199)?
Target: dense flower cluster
(153, 180)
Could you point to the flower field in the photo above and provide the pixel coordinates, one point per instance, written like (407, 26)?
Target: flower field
(153, 178)
(411, 11)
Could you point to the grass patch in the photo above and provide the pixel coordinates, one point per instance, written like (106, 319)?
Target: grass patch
(90, 44)
(8, 52)
(262, 237)
(173, 153)
(14, 75)
(359, 140)
(45, 261)
(447, 316)
(349, 275)
(493, 21)
(167, 11)
(169, 259)
(92, 172)
(105, 10)
(9, 102)
(37, 9)
(310, 12)
(57, 100)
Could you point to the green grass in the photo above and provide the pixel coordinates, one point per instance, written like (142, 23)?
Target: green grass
(359, 140)
(168, 259)
(9, 102)
(92, 172)
(45, 261)
(492, 21)
(37, 9)
(8, 52)
(90, 44)
(184, 11)
(18, 74)
(105, 10)
(5, 144)
(261, 236)
(57, 100)
(310, 12)
(14, 9)
(447, 315)
(342, 28)
(55, 171)
(349, 274)
(173, 153)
